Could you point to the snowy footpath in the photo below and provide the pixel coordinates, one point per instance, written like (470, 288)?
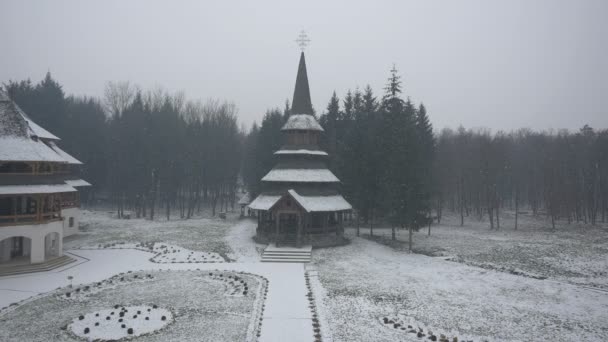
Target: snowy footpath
(286, 315)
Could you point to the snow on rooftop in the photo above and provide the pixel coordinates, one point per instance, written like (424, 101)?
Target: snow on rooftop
(321, 203)
(301, 175)
(12, 123)
(264, 202)
(36, 129)
(14, 148)
(302, 151)
(77, 182)
(35, 189)
(67, 157)
(302, 122)
(245, 199)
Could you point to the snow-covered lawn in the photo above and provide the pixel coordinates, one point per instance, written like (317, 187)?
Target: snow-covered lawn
(202, 234)
(365, 282)
(575, 253)
(164, 305)
(164, 253)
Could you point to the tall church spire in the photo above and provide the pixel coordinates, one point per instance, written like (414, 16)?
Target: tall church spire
(301, 103)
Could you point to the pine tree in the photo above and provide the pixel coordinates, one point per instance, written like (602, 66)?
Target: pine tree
(348, 106)
(329, 120)
(426, 152)
(286, 111)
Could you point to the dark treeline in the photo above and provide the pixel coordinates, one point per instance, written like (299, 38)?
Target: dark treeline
(146, 150)
(561, 175)
(143, 150)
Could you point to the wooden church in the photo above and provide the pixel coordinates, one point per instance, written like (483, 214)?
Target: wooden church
(300, 203)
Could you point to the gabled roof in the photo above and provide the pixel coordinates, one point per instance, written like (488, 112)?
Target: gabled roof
(264, 202)
(310, 204)
(321, 203)
(246, 199)
(77, 182)
(303, 122)
(301, 176)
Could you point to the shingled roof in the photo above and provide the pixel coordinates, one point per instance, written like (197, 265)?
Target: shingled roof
(21, 139)
(301, 95)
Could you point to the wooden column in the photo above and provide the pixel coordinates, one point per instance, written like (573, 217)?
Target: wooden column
(299, 232)
(324, 217)
(277, 228)
(38, 208)
(340, 223)
(14, 211)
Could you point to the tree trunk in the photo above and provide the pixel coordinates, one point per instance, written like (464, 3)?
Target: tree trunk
(497, 217)
(410, 239)
(371, 224)
(516, 208)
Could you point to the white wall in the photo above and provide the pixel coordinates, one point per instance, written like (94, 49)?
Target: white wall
(36, 233)
(66, 214)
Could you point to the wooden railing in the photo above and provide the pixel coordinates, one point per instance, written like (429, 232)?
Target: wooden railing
(12, 220)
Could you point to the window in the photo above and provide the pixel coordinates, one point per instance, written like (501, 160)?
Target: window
(71, 222)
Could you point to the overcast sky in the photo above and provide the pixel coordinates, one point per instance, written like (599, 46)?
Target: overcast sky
(497, 64)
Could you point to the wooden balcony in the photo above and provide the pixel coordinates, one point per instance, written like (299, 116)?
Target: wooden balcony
(29, 209)
(24, 219)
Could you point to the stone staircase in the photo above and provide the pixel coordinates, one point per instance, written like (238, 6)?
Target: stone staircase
(272, 253)
(30, 268)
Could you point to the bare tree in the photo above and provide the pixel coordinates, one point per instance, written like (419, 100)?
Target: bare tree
(118, 96)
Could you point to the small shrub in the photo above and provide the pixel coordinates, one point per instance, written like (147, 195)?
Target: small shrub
(81, 317)
(86, 330)
(163, 318)
(130, 331)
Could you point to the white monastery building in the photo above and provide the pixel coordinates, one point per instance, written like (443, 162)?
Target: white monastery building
(39, 199)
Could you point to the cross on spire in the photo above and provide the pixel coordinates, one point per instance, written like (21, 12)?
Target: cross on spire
(303, 40)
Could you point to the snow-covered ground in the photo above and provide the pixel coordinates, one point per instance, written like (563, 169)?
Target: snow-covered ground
(193, 303)
(467, 282)
(205, 234)
(164, 253)
(575, 253)
(365, 282)
(286, 315)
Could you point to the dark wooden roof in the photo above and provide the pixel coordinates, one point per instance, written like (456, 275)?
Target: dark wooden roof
(301, 103)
